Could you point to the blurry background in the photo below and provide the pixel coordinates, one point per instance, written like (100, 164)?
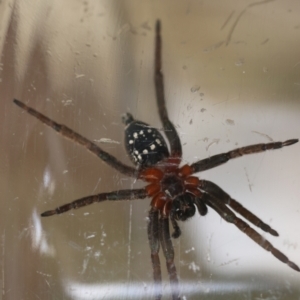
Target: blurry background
(232, 78)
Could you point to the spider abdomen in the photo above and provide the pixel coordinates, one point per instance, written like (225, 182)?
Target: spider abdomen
(144, 143)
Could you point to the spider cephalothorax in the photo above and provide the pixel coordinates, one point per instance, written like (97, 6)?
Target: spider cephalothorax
(174, 191)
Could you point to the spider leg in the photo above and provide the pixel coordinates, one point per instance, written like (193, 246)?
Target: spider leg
(219, 159)
(214, 190)
(79, 139)
(169, 128)
(230, 217)
(153, 237)
(168, 250)
(112, 196)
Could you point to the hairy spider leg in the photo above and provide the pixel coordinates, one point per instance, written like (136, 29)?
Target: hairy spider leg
(219, 159)
(168, 250)
(169, 128)
(159, 234)
(162, 224)
(112, 196)
(79, 139)
(214, 190)
(154, 242)
(230, 217)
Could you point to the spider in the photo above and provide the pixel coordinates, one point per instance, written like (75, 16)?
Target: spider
(175, 192)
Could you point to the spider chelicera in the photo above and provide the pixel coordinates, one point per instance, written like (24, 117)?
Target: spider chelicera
(175, 193)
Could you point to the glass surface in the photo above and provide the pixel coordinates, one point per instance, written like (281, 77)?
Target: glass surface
(231, 79)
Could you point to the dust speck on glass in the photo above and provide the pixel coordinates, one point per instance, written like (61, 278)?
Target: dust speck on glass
(175, 193)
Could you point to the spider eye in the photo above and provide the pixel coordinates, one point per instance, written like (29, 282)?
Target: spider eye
(183, 207)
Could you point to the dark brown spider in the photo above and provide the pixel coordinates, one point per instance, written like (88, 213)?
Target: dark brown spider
(174, 191)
